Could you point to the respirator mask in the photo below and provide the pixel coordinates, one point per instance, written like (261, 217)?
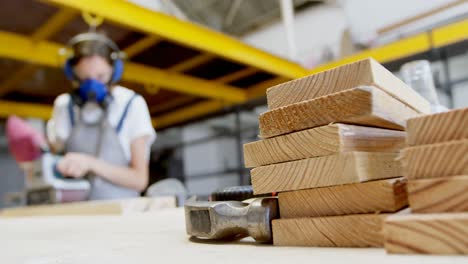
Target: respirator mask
(92, 90)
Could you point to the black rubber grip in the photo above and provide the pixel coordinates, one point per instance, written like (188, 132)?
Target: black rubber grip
(235, 193)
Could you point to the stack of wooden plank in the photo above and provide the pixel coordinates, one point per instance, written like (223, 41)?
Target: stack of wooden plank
(329, 147)
(436, 166)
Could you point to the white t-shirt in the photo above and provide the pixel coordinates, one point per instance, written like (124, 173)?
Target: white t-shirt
(136, 124)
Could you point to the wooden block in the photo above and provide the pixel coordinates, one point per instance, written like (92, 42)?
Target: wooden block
(322, 141)
(364, 105)
(364, 72)
(361, 230)
(436, 128)
(427, 234)
(387, 195)
(436, 160)
(343, 168)
(446, 194)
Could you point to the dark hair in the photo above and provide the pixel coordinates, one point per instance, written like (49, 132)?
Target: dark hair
(90, 48)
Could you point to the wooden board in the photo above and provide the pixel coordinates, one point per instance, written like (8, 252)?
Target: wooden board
(322, 141)
(364, 72)
(364, 105)
(427, 234)
(361, 230)
(159, 237)
(446, 194)
(343, 168)
(387, 195)
(436, 128)
(114, 207)
(436, 160)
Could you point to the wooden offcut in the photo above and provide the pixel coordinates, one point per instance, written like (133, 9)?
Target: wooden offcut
(387, 195)
(436, 160)
(322, 141)
(364, 105)
(427, 234)
(361, 230)
(343, 168)
(445, 194)
(364, 72)
(436, 128)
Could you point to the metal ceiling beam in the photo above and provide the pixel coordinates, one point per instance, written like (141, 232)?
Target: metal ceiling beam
(18, 77)
(188, 113)
(141, 45)
(236, 75)
(167, 105)
(59, 20)
(133, 16)
(33, 110)
(56, 23)
(17, 47)
(191, 63)
(204, 108)
(419, 43)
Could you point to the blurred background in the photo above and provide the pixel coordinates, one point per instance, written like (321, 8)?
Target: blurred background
(203, 66)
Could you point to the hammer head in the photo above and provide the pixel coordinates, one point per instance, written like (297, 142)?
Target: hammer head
(231, 219)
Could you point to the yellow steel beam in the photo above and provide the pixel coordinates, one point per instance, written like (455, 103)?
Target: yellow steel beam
(178, 101)
(204, 108)
(17, 47)
(21, 48)
(17, 78)
(451, 33)
(419, 43)
(191, 63)
(236, 75)
(49, 28)
(141, 45)
(188, 113)
(182, 83)
(41, 111)
(133, 16)
(54, 24)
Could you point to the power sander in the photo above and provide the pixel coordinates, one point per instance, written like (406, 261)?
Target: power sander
(44, 183)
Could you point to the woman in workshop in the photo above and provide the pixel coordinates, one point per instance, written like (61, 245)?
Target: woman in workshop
(104, 129)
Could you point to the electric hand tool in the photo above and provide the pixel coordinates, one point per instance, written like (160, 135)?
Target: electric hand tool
(44, 184)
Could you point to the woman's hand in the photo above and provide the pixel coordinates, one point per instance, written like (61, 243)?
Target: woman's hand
(75, 165)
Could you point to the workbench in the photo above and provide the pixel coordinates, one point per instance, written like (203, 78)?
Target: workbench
(159, 237)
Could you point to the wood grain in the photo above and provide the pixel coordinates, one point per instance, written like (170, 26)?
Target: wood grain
(322, 141)
(159, 237)
(436, 128)
(361, 230)
(343, 168)
(446, 194)
(427, 234)
(115, 207)
(387, 195)
(364, 105)
(364, 72)
(436, 160)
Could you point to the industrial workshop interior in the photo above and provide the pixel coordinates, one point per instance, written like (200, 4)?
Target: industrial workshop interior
(237, 131)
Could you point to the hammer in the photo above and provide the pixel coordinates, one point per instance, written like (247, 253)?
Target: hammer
(231, 219)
